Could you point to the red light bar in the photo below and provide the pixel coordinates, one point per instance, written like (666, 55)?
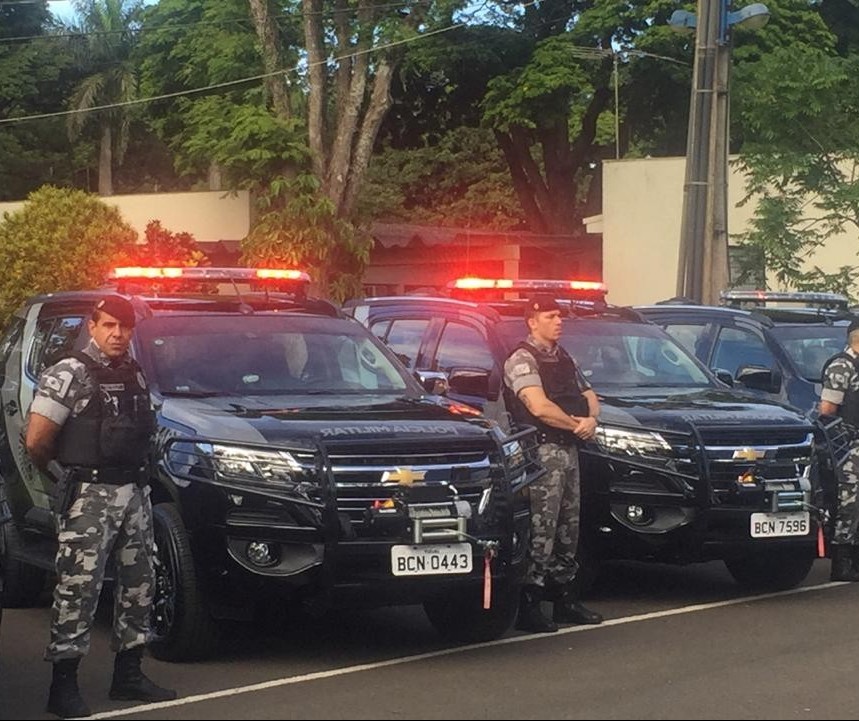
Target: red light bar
(209, 274)
(557, 286)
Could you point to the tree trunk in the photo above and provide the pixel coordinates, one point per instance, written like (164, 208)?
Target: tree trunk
(380, 103)
(312, 10)
(105, 161)
(272, 56)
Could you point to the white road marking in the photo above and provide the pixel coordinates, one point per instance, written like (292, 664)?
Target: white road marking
(346, 670)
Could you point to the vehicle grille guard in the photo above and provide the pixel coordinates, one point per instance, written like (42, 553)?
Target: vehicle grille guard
(694, 468)
(317, 488)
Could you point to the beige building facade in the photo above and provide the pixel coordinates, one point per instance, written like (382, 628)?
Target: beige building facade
(640, 226)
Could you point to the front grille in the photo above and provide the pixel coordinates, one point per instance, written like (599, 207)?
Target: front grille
(783, 455)
(745, 437)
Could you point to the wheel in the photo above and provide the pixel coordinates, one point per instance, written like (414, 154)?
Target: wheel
(22, 584)
(183, 629)
(459, 615)
(770, 570)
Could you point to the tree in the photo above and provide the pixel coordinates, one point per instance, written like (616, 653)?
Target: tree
(107, 31)
(35, 78)
(61, 239)
(299, 226)
(461, 180)
(162, 247)
(803, 163)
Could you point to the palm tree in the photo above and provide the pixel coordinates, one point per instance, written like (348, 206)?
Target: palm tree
(108, 32)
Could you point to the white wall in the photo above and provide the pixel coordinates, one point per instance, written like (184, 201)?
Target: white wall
(207, 215)
(642, 207)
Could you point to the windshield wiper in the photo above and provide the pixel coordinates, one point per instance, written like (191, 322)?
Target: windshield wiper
(193, 394)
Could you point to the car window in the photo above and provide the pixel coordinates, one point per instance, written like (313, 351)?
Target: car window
(379, 328)
(810, 346)
(630, 354)
(404, 338)
(736, 347)
(462, 346)
(11, 338)
(692, 336)
(267, 355)
(53, 339)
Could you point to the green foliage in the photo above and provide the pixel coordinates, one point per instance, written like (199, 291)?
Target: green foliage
(802, 160)
(462, 181)
(246, 140)
(195, 43)
(162, 247)
(547, 87)
(299, 227)
(60, 240)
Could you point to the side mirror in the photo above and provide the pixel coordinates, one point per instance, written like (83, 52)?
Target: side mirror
(434, 382)
(759, 378)
(724, 376)
(470, 382)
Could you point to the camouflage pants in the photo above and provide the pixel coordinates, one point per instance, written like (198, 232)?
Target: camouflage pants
(555, 506)
(847, 508)
(105, 523)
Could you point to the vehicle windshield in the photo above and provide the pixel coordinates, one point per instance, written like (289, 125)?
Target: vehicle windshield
(612, 354)
(264, 355)
(810, 346)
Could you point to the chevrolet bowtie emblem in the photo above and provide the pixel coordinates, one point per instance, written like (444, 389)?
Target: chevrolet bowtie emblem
(749, 454)
(403, 476)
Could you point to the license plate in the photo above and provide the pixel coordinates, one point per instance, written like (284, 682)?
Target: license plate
(431, 560)
(773, 525)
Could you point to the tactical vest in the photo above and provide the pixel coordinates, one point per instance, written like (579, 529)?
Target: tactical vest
(559, 377)
(849, 408)
(113, 432)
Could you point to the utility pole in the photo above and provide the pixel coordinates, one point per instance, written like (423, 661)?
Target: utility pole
(702, 268)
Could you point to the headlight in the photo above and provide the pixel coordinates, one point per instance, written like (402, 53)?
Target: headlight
(632, 443)
(235, 466)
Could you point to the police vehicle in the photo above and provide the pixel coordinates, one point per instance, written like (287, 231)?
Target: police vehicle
(771, 343)
(295, 459)
(683, 467)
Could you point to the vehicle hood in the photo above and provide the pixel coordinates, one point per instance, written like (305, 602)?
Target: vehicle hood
(278, 419)
(670, 409)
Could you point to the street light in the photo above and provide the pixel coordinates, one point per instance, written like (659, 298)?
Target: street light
(702, 269)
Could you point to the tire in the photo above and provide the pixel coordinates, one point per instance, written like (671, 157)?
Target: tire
(183, 629)
(459, 615)
(771, 570)
(22, 584)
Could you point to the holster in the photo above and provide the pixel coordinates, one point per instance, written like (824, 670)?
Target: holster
(65, 489)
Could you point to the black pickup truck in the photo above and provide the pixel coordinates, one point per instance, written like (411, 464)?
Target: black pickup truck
(684, 468)
(295, 460)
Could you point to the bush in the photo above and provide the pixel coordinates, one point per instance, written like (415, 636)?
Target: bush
(61, 239)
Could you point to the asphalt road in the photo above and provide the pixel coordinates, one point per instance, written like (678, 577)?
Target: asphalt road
(678, 643)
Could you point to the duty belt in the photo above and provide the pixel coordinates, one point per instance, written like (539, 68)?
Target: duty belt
(559, 438)
(110, 476)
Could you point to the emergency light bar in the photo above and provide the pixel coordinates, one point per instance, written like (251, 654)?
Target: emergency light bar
(560, 288)
(194, 273)
(762, 297)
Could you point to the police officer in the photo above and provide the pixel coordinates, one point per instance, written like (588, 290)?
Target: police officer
(92, 414)
(544, 388)
(840, 396)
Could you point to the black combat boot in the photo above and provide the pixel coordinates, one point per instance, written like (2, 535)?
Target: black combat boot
(531, 616)
(64, 699)
(131, 684)
(567, 608)
(844, 567)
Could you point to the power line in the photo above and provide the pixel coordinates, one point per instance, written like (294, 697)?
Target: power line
(229, 83)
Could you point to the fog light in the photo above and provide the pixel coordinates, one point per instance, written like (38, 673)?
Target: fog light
(637, 515)
(261, 554)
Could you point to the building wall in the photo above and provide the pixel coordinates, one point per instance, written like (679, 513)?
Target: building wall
(642, 207)
(207, 215)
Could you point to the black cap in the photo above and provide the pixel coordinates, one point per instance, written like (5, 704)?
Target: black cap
(118, 307)
(541, 304)
(854, 325)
